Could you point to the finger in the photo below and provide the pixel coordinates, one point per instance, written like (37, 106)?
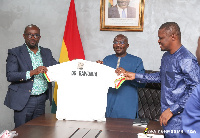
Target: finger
(128, 78)
(45, 69)
(125, 74)
(165, 122)
(123, 71)
(41, 71)
(117, 71)
(120, 70)
(160, 121)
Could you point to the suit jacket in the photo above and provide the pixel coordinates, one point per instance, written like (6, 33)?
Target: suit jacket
(114, 13)
(18, 63)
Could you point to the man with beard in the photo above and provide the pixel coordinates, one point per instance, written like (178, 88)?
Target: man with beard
(25, 66)
(179, 75)
(122, 10)
(123, 102)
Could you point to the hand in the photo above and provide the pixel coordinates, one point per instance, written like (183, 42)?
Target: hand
(120, 70)
(38, 70)
(129, 75)
(98, 61)
(165, 116)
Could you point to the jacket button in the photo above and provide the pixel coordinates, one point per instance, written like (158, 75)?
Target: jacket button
(31, 80)
(29, 90)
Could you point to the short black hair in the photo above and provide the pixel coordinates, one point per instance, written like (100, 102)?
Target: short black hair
(29, 26)
(121, 35)
(171, 28)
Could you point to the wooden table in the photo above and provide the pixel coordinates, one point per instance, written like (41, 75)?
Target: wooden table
(47, 126)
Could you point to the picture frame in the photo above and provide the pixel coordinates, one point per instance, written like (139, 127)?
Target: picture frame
(112, 19)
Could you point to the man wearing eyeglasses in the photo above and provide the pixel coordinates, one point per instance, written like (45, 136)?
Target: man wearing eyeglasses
(25, 66)
(123, 102)
(122, 10)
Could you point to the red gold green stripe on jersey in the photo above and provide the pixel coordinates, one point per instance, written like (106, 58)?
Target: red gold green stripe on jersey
(46, 77)
(118, 82)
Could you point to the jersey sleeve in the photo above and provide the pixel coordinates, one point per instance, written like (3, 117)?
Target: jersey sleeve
(58, 71)
(111, 78)
(51, 74)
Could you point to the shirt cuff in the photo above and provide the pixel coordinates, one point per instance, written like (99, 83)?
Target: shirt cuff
(175, 109)
(28, 75)
(139, 76)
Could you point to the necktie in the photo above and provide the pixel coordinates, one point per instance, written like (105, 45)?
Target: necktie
(123, 14)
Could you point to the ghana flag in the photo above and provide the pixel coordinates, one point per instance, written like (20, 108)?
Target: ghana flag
(71, 46)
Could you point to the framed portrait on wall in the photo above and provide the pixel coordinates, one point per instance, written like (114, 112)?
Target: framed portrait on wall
(122, 15)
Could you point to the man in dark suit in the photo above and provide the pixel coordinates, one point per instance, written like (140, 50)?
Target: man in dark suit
(122, 10)
(25, 66)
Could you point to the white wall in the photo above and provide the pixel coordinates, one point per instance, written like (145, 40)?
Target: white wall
(51, 15)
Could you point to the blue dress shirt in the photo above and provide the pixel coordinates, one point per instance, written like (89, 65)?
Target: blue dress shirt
(191, 116)
(179, 75)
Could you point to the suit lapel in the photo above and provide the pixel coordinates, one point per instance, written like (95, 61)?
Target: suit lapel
(116, 12)
(26, 56)
(129, 13)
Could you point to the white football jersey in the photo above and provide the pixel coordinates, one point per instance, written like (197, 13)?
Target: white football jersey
(82, 89)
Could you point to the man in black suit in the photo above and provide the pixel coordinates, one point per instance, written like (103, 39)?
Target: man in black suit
(122, 10)
(25, 66)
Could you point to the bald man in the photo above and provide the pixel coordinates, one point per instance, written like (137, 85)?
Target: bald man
(123, 102)
(25, 66)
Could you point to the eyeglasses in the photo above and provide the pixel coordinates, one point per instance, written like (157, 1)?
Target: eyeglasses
(36, 36)
(119, 42)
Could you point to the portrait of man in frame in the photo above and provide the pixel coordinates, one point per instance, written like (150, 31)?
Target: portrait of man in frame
(121, 9)
(121, 15)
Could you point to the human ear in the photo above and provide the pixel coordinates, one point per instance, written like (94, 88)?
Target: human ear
(173, 37)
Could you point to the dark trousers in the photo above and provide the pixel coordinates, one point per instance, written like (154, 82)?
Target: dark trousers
(34, 108)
